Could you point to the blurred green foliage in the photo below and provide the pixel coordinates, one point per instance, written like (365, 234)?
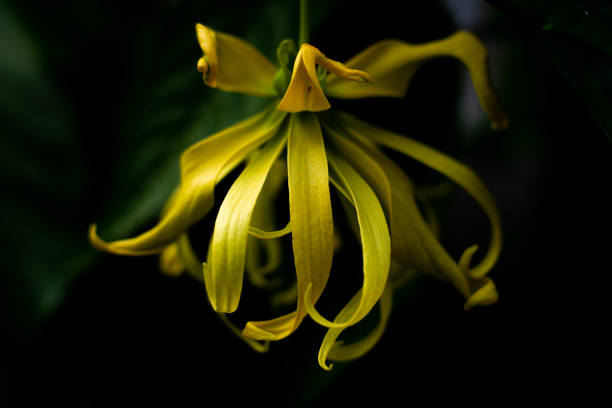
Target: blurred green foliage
(578, 38)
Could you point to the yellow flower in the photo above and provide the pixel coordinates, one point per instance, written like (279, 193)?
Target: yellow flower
(299, 139)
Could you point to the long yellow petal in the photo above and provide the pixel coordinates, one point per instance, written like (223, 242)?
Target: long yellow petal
(194, 267)
(232, 64)
(454, 170)
(375, 242)
(224, 276)
(337, 350)
(414, 244)
(170, 262)
(264, 251)
(311, 222)
(392, 64)
(202, 166)
(359, 158)
(304, 92)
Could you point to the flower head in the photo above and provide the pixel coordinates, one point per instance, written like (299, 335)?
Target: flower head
(300, 141)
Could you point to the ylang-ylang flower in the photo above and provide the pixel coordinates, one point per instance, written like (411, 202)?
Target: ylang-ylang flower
(301, 141)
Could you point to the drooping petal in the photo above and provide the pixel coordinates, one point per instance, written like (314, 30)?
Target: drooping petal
(304, 92)
(359, 158)
(194, 268)
(482, 295)
(202, 166)
(264, 250)
(224, 276)
(451, 168)
(392, 63)
(311, 222)
(414, 244)
(170, 263)
(337, 350)
(375, 242)
(233, 65)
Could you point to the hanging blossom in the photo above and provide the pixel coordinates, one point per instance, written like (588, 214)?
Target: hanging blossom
(300, 141)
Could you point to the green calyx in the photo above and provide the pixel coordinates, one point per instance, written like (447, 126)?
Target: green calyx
(286, 54)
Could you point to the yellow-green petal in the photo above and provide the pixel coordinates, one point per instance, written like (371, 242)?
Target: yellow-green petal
(233, 65)
(375, 243)
(224, 276)
(456, 171)
(392, 64)
(202, 167)
(170, 262)
(366, 165)
(337, 350)
(311, 222)
(485, 293)
(304, 92)
(194, 267)
(265, 235)
(264, 252)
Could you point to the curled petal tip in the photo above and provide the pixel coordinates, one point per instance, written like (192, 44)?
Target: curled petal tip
(304, 92)
(115, 247)
(202, 65)
(253, 332)
(208, 63)
(94, 238)
(483, 296)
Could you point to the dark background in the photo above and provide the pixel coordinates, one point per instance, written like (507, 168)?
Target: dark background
(98, 99)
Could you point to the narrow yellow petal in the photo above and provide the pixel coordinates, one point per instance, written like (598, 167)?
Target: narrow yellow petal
(255, 345)
(375, 242)
(482, 295)
(392, 64)
(413, 244)
(454, 170)
(264, 252)
(261, 234)
(232, 64)
(311, 222)
(170, 262)
(337, 350)
(304, 92)
(194, 267)
(202, 166)
(225, 274)
(192, 263)
(360, 160)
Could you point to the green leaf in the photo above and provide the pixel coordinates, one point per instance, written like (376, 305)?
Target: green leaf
(98, 101)
(42, 174)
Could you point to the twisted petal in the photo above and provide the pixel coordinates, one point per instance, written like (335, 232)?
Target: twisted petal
(392, 63)
(337, 350)
(232, 64)
(414, 244)
(375, 243)
(311, 222)
(304, 92)
(361, 160)
(202, 166)
(224, 274)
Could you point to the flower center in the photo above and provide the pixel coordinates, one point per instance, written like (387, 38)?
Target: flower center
(304, 92)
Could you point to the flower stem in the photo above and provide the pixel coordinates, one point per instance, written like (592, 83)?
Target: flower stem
(303, 22)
